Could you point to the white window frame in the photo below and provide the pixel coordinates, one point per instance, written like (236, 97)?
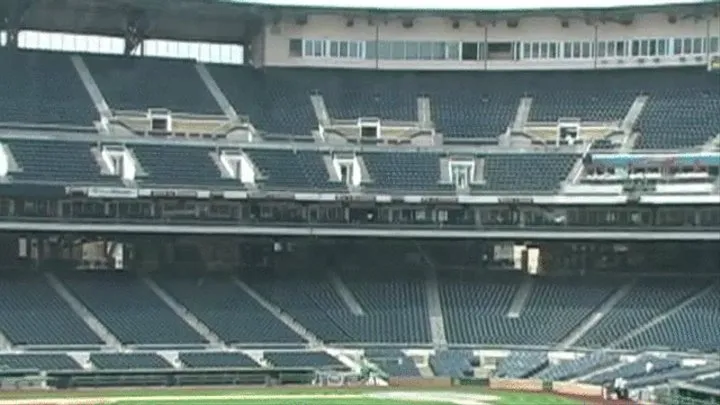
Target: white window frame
(468, 168)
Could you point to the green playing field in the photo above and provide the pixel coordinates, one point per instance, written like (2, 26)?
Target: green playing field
(283, 397)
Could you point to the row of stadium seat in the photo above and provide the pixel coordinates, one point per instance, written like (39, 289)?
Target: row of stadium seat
(394, 310)
(66, 162)
(43, 87)
(151, 360)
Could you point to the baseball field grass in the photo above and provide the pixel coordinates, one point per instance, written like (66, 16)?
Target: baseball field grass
(265, 396)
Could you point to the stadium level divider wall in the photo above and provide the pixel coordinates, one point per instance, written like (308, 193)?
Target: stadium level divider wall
(35, 379)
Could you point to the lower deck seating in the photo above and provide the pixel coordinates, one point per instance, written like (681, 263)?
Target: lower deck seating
(691, 327)
(644, 366)
(128, 361)
(452, 363)
(36, 361)
(476, 307)
(521, 364)
(216, 360)
(32, 313)
(130, 309)
(566, 370)
(394, 362)
(303, 359)
(227, 310)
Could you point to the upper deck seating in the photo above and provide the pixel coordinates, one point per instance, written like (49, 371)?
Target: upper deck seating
(274, 99)
(130, 310)
(682, 109)
(180, 165)
(592, 96)
(472, 105)
(287, 169)
(525, 172)
(404, 171)
(43, 88)
(217, 360)
(31, 313)
(56, 161)
(227, 310)
(37, 361)
(133, 83)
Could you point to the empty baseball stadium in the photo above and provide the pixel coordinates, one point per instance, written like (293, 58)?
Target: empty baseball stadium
(138, 84)
(292, 169)
(302, 359)
(688, 327)
(130, 309)
(274, 100)
(452, 363)
(41, 361)
(128, 361)
(42, 88)
(215, 301)
(208, 359)
(179, 166)
(55, 161)
(681, 111)
(32, 313)
(646, 300)
(404, 171)
(476, 309)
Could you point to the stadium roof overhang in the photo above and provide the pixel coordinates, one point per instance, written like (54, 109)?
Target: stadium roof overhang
(238, 22)
(189, 20)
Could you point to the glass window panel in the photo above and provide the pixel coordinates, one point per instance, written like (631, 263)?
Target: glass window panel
(576, 50)
(334, 49)
(426, 50)
(635, 48)
(526, 50)
(586, 48)
(644, 47)
(535, 50)
(652, 47)
(567, 50)
(697, 46)
(318, 48)
(371, 50)
(601, 49)
(715, 44)
(344, 49)
(385, 50)
(553, 54)
(438, 50)
(662, 47)
(677, 46)
(412, 50)
(398, 50)
(687, 46)
(544, 50)
(620, 48)
(296, 47)
(308, 49)
(453, 50)
(354, 49)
